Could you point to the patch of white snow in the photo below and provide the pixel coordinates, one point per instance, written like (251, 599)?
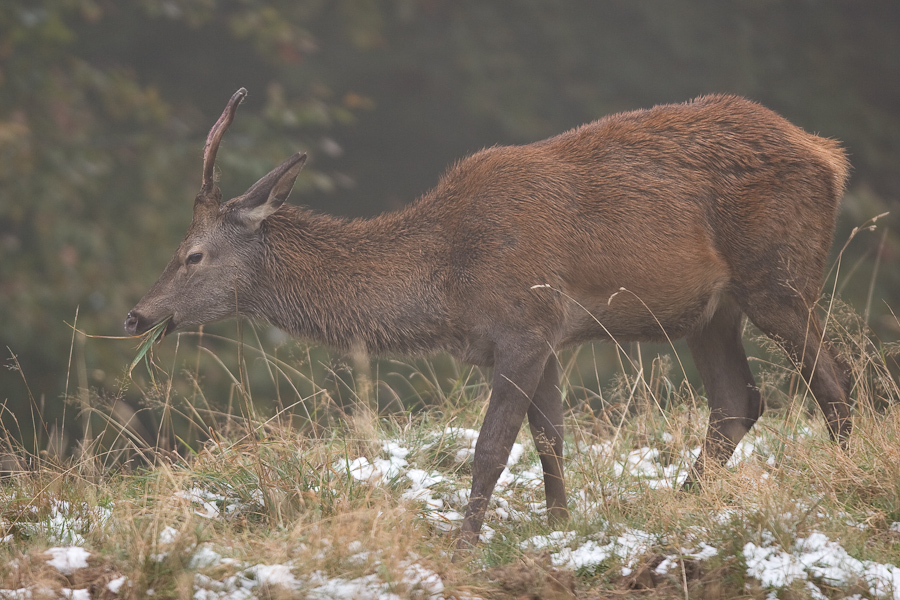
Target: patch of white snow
(116, 584)
(68, 559)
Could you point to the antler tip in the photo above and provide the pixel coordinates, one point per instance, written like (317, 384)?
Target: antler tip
(215, 136)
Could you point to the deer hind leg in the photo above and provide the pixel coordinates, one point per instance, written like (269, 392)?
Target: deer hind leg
(516, 377)
(545, 418)
(734, 400)
(799, 331)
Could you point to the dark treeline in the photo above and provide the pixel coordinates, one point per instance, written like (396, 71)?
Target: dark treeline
(104, 107)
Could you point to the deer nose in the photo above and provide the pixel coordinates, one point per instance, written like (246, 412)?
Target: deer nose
(131, 322)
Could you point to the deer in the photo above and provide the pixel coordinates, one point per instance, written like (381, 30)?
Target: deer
(651, 225)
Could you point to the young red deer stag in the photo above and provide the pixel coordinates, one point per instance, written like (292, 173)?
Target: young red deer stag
(649, 225)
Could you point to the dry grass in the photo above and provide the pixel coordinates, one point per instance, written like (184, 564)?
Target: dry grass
(150, 500)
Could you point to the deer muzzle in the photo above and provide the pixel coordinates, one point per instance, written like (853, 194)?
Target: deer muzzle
(136, 323)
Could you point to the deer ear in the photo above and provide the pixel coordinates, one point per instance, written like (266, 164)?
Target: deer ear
(268, 194)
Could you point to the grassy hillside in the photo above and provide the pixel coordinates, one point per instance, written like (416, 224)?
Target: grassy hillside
(328, 499)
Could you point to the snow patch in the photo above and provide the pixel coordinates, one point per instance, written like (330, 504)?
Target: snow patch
(370, 587)
(67, 522)
(423, 582)
(627, 547)
(817, 557)
(277, 575)
(205, 557)
(380, 468)
(205, 499)
(68, 559)
(116, 584)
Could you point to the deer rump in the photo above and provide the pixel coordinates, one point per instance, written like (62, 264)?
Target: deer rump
(649, 225)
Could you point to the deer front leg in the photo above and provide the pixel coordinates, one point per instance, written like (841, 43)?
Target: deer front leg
(514, 382)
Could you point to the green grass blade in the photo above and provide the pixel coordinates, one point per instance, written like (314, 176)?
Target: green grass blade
(147, 340)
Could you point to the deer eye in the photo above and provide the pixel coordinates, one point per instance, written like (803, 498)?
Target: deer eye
(194, 258)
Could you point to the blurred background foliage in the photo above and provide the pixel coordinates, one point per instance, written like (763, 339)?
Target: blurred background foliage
(105, 105)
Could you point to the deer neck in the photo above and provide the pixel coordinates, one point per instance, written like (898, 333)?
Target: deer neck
(360, 284)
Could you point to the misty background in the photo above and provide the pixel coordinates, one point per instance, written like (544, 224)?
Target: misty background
(105, 106)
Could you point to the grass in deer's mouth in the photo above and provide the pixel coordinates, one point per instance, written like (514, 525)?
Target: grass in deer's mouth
(152, 335)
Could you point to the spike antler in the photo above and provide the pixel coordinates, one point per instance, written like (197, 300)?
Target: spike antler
(212, 142)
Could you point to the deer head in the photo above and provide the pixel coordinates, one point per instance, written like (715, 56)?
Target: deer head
(220, 252)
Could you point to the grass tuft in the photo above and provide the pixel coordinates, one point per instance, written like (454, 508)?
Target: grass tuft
(148, 338)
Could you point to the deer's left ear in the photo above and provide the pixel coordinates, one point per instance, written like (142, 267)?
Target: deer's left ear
(268, 194)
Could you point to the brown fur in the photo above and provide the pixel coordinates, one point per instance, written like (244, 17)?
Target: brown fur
(663, 223)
